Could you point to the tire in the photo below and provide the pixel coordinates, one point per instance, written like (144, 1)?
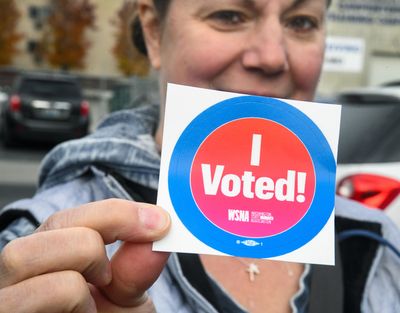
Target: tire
(6, 137)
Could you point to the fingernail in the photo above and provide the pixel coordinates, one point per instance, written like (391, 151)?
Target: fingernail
(153, 218)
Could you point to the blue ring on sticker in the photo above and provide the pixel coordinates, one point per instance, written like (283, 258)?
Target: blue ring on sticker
(252, 107)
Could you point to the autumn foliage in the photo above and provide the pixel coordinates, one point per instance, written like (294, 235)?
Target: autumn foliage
(130, 60)
(9, 37)
(64, 44)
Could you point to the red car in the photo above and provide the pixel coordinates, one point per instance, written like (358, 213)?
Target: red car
(369, 148)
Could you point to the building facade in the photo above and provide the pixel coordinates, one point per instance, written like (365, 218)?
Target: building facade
(99, 60)
(363, 45)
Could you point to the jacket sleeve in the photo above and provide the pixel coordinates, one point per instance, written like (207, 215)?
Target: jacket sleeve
(382, 289)
(22, 217)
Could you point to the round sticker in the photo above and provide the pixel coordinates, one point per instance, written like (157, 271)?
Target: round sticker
(252, 176)
(245, 181)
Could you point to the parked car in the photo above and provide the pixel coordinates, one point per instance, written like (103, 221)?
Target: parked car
(369, 148)
(44, 107)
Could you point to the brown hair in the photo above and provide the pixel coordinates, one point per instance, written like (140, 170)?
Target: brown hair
(136, 28)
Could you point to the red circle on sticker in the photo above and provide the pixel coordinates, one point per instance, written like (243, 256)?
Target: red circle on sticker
(253, 177)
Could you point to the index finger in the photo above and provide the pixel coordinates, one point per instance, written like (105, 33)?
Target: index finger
(114, 219)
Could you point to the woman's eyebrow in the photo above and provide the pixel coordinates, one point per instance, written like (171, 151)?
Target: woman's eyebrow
(253, 4)
(297, 3)
(246, 3)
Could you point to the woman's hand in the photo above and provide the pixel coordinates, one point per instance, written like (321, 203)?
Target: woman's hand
(63, 266)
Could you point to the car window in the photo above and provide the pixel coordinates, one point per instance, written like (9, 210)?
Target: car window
(369, 133)
(47, 88)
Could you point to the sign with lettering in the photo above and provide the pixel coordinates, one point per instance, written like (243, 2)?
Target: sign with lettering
(344, 54)
(248, 176)
(367, 12)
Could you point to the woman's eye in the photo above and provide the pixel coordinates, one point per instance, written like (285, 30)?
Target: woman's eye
(302, 23)
(227, 18)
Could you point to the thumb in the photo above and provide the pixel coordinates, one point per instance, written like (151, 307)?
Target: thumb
(135, 267)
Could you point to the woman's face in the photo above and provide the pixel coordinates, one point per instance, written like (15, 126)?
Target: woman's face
(264, 47)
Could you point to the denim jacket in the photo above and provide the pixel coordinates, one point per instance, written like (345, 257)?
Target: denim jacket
(80, 171)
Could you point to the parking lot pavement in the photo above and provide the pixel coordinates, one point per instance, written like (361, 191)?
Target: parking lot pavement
(17, 180)
(19, 172)
(13, 192)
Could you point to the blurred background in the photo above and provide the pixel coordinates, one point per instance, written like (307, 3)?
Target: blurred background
(84, 46)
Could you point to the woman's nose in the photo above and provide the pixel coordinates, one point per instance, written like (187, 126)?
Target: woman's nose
(266, 50)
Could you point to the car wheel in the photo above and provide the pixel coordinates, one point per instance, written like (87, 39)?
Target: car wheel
(6, 137)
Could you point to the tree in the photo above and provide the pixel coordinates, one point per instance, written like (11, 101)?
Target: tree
(130, 60)
(9, 37)
(64, 44)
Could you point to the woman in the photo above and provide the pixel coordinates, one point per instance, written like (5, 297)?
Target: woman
(263, 47)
